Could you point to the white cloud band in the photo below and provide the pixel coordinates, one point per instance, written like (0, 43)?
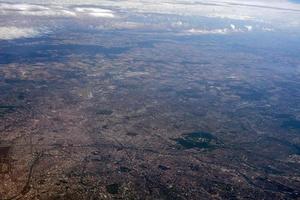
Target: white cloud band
(54, 11)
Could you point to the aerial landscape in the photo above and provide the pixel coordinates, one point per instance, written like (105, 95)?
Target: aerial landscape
(146, 99)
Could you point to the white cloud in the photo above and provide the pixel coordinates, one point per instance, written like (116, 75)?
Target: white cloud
(222, 31)
(267, 29)
(34, 10)
(232, 29)
(212, 31)
(225, 15)
(22, 7)
(228, 30)
(49, 13)
(249, 28)
(12, 32)
(50, 10)
(95, 12)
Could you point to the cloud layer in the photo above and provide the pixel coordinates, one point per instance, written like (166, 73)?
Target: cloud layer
(221, 17)
(280, 12)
